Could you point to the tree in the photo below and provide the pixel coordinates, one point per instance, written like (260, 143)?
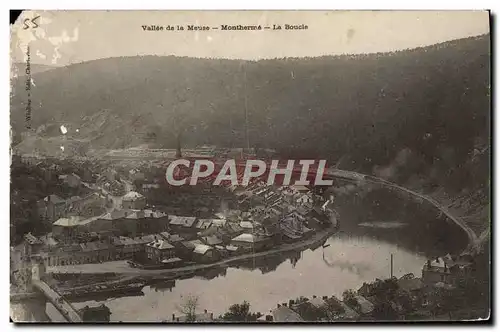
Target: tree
(240, 313)
(188, 308)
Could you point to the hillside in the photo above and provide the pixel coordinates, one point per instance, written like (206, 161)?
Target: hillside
(402, 115)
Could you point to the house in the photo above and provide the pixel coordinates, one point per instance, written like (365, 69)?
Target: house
(310, 309)
(149, 221)
(304, 199)
(185, 249)
(165, 235)
(159, 250)
(89, 205)
(120, 224)
(203, 224)
(299, 188)
(174, 238)
(435, 271)
(94, 252)
(133, 200)
(32, 245)
(233, 250)
(82, 253)
(219, 222)
(286, 315)
(233, 229)
(181, 224)
(461, 268)
(364, 307)
(251, 241)
(247, 225)
(145, 239)
(292, 226)
(338, 310)
(65, 255)
(52, 208)
(66, 228)
(205, 254)
(212, 240)
(129, 247)
(94, 225)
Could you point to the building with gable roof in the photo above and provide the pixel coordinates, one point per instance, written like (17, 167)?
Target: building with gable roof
(159, 250)
(133, 200)
(251, 241)
(181, 224)
(52, 207)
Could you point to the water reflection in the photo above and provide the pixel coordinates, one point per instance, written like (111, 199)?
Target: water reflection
(346, 263)
(354, 255)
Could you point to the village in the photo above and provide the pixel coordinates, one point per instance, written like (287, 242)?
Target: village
(110, 221)
(131, 215)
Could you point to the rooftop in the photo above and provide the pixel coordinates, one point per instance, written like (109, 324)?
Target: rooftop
(285, 314)
(212, 240)
(115, 214)
(160, 244)
(132, 196)
(94, 246)
(171, 260)
(175, 238)
(204, 223)
(365, 305)
(250, 238)
(317, 302)
(31, 239)
(201, 249)
(246, 224)
(68, 222)
(136, 215)
(154, 214)
(219, 222)
(299, 188)
(182, 221)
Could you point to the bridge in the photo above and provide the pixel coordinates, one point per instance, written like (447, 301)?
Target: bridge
(34, 301)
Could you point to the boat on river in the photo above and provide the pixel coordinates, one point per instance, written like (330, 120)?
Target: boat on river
(105, 290)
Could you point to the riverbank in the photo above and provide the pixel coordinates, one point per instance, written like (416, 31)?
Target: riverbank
(122, 268)
(474, 241)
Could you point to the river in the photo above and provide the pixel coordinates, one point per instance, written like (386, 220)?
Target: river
(374, 225)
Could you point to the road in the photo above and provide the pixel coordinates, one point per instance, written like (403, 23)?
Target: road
(122, 268)
(474, 241)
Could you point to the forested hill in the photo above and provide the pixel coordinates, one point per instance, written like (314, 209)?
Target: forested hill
(364, 110)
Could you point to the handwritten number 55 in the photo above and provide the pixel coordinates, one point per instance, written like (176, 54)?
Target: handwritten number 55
(31, 23)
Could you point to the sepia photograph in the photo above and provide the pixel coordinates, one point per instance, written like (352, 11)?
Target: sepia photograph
(264, 167)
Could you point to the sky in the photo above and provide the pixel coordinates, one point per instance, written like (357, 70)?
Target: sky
(67, 37)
